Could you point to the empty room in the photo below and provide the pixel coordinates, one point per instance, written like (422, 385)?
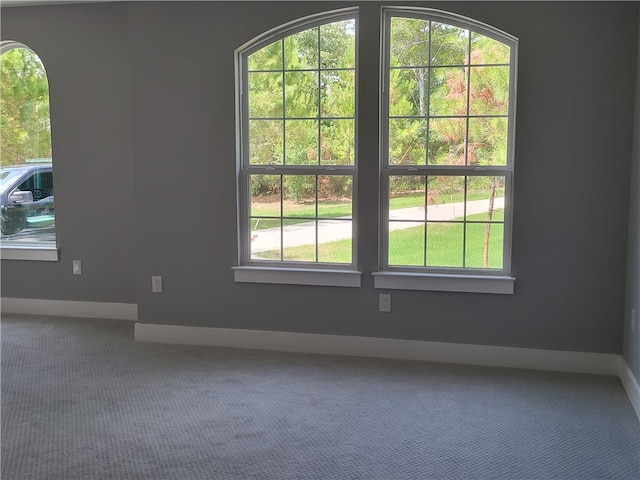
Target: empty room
(320, 240)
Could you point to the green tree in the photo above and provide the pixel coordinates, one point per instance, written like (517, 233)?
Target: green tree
(302, 105)
(24, 107)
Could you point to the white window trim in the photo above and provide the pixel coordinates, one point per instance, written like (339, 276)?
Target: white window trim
(297, 276)
(498, 281)
(440, 282)
(43, 253)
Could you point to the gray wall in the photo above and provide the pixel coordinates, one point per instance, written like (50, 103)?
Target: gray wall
(174, 62)
(631, 349)
(84, 49)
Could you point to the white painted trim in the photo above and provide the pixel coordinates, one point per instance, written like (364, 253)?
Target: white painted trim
(630, 385)
(298, 276)
(67, 308)
(444, 282)
(42, 253)
(578, 362)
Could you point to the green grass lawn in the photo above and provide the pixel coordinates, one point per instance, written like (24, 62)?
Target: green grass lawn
(444, 247)
(337, 209)
(326, 209)
(416, 199)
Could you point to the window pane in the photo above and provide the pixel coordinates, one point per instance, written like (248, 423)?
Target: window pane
(265, 237)
(299, 241)
(409, 42)
(408, 92)
(265, 95)
(334, 241)
(486, 50)
(449, 44)
(407, 197)
(489, 91)
(267, 58)
(299, 196)
(301, 50)
(337, 142)
(406, 243)
(444, 244)
(301, 94)
(265, 196)
(448, 92)
(407, 139)
(488, 141)
(301, 140)
(445, 197)
(484, 245)
(338, 93)
(335, 196)
(485, 194)
(338, 45)
(446, 141)
(265, 142)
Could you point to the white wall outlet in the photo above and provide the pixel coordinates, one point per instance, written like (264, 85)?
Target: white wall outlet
(77, 267)
(156, 284)
(384, 302)
(632, 324)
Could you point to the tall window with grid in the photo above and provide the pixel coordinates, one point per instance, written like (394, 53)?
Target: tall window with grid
(447, 154)
(297, 144)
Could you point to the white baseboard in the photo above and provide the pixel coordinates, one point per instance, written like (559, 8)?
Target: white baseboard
(67, 308)
(630, 385)
(577, 362)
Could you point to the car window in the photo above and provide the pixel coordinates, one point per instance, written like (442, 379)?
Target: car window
(40, 184)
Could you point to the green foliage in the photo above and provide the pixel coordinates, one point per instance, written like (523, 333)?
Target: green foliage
(299, 188)
(455, 75)
(24, 107)
(265, 142)
(337, 45)
(267, 58)
(302, 106)
(265, 185)
(265, 95)
(445, 245)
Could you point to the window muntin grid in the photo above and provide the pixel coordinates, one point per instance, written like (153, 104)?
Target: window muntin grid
(448, 108)
(298, 145)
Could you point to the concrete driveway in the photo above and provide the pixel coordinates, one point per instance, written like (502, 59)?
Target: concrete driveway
(341, 229)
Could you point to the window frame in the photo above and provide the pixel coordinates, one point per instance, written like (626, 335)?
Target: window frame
(443, 278)
(282, 271)
(14, 249)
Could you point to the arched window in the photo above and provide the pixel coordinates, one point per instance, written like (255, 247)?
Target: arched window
(447, 119)
(26, 175)
(297, 151)
(448, 110)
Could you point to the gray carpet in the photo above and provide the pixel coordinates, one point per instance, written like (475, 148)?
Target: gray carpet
(82, 400)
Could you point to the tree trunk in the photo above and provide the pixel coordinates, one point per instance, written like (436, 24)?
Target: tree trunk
(487, 228)
(421, 73)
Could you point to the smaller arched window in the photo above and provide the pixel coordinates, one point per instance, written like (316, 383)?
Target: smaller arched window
(26, 174)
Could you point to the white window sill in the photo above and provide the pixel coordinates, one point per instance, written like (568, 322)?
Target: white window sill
(41, 253)
(298, 276)
(441, 282)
